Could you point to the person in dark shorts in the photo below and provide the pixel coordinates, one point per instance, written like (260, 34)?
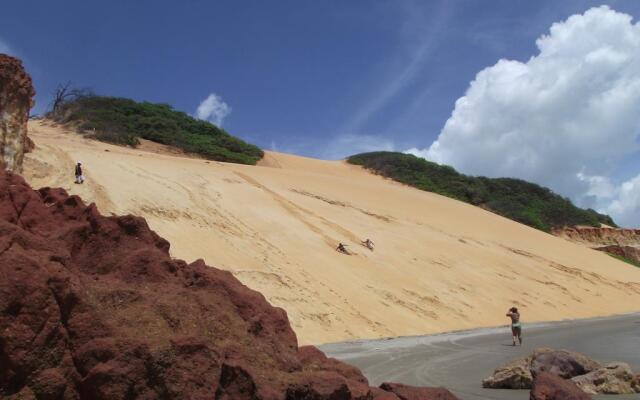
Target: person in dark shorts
(516, 327)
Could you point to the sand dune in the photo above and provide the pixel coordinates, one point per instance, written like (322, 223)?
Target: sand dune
(439, 264)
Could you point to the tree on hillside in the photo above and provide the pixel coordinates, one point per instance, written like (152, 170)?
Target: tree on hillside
(65, 93)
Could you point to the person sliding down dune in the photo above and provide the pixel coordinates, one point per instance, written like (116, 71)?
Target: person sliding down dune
(516, 327)
(368, 244)
(342, 248)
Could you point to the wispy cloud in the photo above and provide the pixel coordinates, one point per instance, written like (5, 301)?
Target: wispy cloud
(4, 47)
(213, 109)
(421, 34)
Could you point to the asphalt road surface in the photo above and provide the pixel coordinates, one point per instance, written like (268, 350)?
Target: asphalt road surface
(459, 361)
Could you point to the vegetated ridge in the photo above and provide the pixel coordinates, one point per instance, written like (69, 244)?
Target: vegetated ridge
(123, 121)
(516, 199)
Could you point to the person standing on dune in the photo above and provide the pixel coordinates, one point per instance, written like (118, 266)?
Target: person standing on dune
(516, 327)
(79, 176)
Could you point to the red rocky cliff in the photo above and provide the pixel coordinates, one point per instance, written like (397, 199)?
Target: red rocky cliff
(16, 94)
(620, 242)
(93, 307)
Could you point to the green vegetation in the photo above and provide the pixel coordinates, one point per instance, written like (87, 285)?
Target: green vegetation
(624, 259)
(515, 199)
(123, 121)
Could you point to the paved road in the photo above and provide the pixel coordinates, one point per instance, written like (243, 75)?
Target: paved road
(459, 361)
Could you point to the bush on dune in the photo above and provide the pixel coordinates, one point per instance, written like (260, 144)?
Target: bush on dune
(519, 200)
(122, 121)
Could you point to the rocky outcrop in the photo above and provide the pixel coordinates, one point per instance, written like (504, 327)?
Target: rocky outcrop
(628, 252)
(514, 375)
(93, 307)
(16, 94)
(519, 373)
(548, 386)
(563, 363)
(620, 242)
(405, 392)
(582, 372)
(603, 236)
(613, 378)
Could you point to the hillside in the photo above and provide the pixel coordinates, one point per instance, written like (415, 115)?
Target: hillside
(124, 121)
(438, 265)
(515, 199)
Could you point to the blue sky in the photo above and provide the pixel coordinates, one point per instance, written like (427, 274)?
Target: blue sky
(316, 78)
(296, 73)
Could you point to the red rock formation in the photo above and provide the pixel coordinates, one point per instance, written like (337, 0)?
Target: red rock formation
(405, 392)
(93, 307)
(548, 386)
(520, 372)
(563, 363)
(621, 242)
(16, 94)
(600, 236)
(628, 252)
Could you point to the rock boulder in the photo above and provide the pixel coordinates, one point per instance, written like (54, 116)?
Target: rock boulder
(405, 392)
(613, 378)
(547, 386)
(514, 375)
(565, 364)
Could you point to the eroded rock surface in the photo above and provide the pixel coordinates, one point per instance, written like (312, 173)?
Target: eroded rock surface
(548, 386)
(581, 371)
(405, 392)
(629, 252)
(519, 373)
(93, 307)
(613, 378)
(617, 241)
(514, 375)
(16, 94)
(563, 363)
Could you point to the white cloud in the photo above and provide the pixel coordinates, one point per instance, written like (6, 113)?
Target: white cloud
(626, 204)
(4, 47)
(565, 118)
(346, 145)
(213, 109)
(622, 201)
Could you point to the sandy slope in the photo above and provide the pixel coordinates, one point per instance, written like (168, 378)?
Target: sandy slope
(439, 264)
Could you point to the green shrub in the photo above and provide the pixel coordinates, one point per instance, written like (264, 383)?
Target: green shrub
(519, 200)
(123, 121)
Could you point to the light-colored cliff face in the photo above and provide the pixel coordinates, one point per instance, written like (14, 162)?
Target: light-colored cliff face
(620, 242)
(16, 94)
(598, 237)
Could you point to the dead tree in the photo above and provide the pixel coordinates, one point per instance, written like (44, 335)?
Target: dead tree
(65, 93)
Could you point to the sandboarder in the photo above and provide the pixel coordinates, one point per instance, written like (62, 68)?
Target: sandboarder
(516, 327)
(79, 176)
(368, 244)
(342, 248)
